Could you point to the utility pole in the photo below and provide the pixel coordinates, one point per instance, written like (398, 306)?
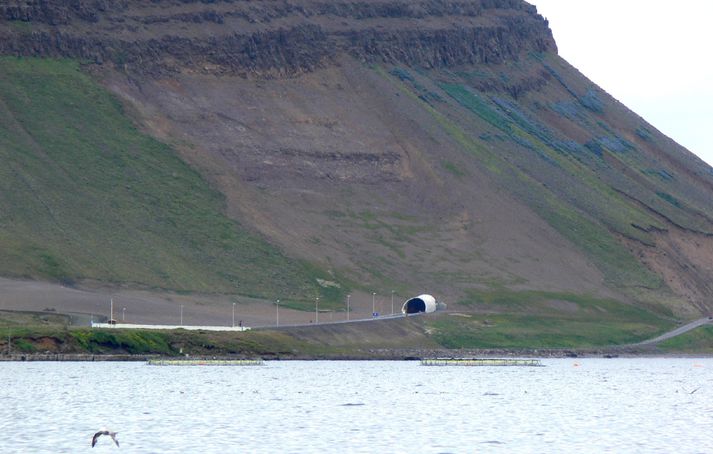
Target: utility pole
(373, 304)
(111, 309)
(316, 311)
(348, 296)
(277, 313)
(181, 314)
(392, 302)
(233, 315)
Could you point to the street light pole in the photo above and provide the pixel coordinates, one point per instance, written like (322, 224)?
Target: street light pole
(277, 308)
(348, 296)
(111, 309)
(316, 311)
(181, 315)
(392, 302)
(373, 304)
(233, 315)
(123, 315)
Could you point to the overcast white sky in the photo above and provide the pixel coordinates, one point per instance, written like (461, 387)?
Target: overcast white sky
(655, 56)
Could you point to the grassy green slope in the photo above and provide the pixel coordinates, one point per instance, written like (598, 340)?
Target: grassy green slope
(700, 340)
(85, 195)
(532, 319)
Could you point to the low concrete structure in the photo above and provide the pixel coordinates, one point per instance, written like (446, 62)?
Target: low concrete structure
(186, 327)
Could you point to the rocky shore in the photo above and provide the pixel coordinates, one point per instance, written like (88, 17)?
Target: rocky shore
(361, 355)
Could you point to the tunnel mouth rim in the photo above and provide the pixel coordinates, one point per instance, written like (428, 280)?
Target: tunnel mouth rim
(414, 306)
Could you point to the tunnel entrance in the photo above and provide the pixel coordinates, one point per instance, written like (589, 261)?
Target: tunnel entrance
(414, 306)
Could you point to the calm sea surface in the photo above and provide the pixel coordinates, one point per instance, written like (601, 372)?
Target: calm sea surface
(573, 405)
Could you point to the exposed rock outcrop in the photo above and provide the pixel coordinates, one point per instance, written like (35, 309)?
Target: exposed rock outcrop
(272, 37)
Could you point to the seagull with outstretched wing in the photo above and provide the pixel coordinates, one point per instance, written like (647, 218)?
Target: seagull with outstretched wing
(104, 432)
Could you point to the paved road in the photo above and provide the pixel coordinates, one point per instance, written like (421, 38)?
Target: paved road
(678, 331)
(337, 322)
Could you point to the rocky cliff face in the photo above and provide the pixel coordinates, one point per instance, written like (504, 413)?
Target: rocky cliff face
(272, 37)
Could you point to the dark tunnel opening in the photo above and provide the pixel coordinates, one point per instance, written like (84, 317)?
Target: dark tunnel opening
(415, 306)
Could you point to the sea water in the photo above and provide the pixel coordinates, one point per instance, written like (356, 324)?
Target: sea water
(569, 405)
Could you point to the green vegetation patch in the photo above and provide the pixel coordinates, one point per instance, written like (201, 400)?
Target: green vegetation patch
(166, 343)
(700, 340)
(478, 106)
(130, 341)
(530, 331)
(533, 319)
(454, 169)
(670, 199)
(85, 195)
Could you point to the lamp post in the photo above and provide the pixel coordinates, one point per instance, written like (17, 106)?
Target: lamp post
(123, 314)
(392, 302)
(181, 315)
(348, 296)
(233, 315)
(316, 310)
(111, 309)
(373, 304)
(277, 313)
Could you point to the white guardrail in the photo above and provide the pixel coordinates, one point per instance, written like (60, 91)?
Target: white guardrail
(186, 327)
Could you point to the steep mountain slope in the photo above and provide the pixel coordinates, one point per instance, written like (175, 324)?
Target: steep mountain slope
(87, 197)
(426, 144)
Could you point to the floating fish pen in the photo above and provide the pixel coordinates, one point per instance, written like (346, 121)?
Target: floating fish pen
(481, 362)
(205, 362)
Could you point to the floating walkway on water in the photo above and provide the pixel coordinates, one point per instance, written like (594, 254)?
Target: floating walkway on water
(481, 362)
(205, 362)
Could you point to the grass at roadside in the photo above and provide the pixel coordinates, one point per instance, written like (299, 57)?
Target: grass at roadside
(533, 319)
(700, 340)
(530, 331)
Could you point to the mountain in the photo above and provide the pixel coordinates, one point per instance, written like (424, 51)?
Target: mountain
(307, 147)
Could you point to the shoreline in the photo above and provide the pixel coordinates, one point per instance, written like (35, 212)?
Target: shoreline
(365, 356)
(397, 339)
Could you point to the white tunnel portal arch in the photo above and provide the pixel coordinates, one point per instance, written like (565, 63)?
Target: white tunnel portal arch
(421, 303)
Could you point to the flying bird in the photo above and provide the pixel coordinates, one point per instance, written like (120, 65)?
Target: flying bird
(104, 432)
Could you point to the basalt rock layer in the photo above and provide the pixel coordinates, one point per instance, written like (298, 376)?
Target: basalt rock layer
(273, 37)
